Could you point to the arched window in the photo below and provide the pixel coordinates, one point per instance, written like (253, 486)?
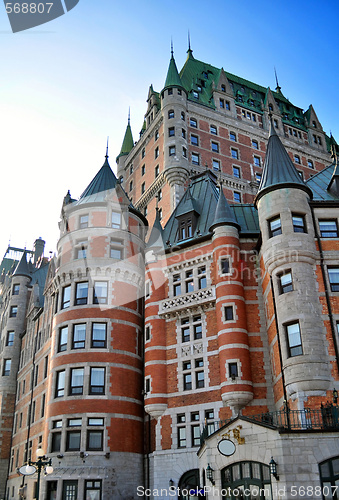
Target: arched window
(171, 113)
(250, 476)
(189, 485)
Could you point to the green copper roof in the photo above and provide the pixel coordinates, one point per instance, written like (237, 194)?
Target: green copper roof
(23, 269)
(278, 171)
(205, 194)
(187, 205)
(319, 184)
(102, 182)
(127, 143)
(223, 213)
(173, 78)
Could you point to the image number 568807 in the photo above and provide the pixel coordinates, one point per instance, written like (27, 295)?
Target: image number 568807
(28, 8)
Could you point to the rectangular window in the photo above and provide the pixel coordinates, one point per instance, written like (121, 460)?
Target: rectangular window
(74, 422)
(274, 227)
(7, 367)
(258, 177)
(328, 228)
(193, 123)
(189, 283)
(233, 136)
(176, 285)
(43, 403)
(79, 336)
(143, 188)
(60, 384)
(199, 374)
(45, 367)
(77, 381)
(16, 289)
(195, 430)
(183, 133)
(225, 266)
(66, 297)
(185, 330)
(222, 103)
(233, 370)
(257, 161)
(228, 313)
(81, 293)
(100, 292)
(236, 172)
(213, 130)
(116, 251)
(143, 169)
(171, 132)
(299, 225)
(202, 279)
(97, 381)
(156, 152)
(95, 421)
(98, 335)
(294, 340)
(197, 327)
(181, 437)
(195, 159)
(194, 140)
(56, 441)
(69, 490)
(156, 171)
(216, 165)
(63, 336)
(93, 489)
(13, 311)
(215, 147)
(255, 144)
(237, 197)
(234, 153)
(187, 376)
(285, 282)
(10, 338)
(83, 221)
(95, 440)
(171, 150)
(333, 275)
(73, 442)
(116, 220)
(81, 250)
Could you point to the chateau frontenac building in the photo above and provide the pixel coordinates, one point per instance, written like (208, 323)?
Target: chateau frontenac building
(183, 341)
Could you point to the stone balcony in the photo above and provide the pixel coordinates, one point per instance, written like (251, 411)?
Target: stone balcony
(200, 299)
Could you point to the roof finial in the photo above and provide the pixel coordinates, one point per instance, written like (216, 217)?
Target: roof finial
(129, 115)
(189, 41)
(106, 156)
(278, 88)
(171, 47)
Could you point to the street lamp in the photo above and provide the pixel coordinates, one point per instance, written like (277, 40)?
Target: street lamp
(32, 467)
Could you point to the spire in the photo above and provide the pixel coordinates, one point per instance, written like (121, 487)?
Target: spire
(223, 214)
(189, 51)
(106, 156)
(156, 241)
(127, 143)
(173, 78)
(279, 171)
(278, 88)
(23, 267)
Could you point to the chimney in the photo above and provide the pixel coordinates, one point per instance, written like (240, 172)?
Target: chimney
(39, 246)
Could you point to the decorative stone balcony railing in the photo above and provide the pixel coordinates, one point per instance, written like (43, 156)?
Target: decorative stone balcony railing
(200, 299)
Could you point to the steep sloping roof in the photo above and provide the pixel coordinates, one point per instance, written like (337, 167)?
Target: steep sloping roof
(319, 184)
(127, 143)
(205, 194)
(100, 184)
(278, 171)
(156, 239)
(223, 214)
(172, 78)
(24, 268)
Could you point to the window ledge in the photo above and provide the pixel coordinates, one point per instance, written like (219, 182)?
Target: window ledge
(203, 297)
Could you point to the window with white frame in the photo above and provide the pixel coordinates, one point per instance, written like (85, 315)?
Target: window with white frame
(294, 339)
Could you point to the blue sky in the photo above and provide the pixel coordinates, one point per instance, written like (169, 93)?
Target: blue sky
(68, 84)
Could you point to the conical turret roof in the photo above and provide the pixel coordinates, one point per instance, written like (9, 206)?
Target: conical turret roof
(23, 267)
(173, 78)
(127, 143)
(156, 241)
(103, 181)
(278, 171)
(223, 214)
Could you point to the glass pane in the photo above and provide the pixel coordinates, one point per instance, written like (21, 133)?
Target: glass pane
(99, 334)
(325, 470)
(95, 440)
(100, 292)
(275, 224)
(266, 473)
(335, 466)
(327, 491)
(82, 289)
(116, 220)
(236, 472)
(286, 279)
(294, 335)
(334, 275)
(79, 336)
(256, 471)
(246, 469)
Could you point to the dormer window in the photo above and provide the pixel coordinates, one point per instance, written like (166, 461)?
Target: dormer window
(185, 229)
(195, 94)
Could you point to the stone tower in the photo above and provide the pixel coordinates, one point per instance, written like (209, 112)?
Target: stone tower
(289, 255)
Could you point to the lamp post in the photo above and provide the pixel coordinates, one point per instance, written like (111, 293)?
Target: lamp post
(32, 467)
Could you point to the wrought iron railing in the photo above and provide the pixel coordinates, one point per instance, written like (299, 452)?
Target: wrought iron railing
(325, 418)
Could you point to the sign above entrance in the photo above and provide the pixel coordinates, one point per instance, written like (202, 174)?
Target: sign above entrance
(226, 447)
